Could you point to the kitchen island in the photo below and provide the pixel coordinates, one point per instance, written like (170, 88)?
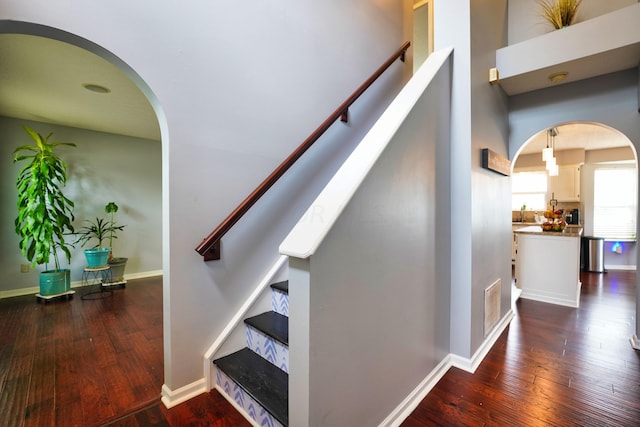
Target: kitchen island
(548, 265)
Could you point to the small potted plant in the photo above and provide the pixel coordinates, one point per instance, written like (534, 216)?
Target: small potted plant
(45, 214)
(559, 13)
(117, 265)
(100, 230)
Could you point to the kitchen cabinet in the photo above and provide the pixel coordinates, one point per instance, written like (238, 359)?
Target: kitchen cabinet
(566, 186)
(548, 265)
(514, 241)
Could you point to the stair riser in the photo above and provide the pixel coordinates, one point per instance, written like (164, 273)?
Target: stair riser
(268, 348)
(280, 302)
(244, 401)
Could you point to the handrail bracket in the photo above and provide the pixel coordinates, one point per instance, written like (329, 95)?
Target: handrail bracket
(344, 117)
(213, 253)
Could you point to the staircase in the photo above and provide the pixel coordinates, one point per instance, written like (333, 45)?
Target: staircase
(256, 377)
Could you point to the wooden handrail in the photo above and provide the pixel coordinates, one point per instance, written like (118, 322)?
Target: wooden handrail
(210, 246)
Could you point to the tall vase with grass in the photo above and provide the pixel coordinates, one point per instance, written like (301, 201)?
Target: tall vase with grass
(559, 13)
(45, 214)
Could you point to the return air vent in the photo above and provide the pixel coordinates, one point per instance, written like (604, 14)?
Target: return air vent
(491, 306)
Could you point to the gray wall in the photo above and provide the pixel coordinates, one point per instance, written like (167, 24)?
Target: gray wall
(480, 200)
(525, 21)
(610, 100)
(101, 169)
(237, 87)
(378, 314)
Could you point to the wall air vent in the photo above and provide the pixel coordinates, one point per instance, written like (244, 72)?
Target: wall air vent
(491, 306)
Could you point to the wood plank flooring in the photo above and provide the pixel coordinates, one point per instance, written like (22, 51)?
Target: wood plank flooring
(75, 362)
(553, 366)
(93, 363)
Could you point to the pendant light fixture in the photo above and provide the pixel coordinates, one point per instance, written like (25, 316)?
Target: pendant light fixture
(547, 153)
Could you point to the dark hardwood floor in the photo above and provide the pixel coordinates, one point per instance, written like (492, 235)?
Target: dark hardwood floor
(93, 363)
(553, 366)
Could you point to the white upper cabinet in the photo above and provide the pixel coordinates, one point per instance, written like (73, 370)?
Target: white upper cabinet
(566, 186)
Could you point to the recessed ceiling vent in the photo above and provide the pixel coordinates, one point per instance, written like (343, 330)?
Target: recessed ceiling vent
(96, 88)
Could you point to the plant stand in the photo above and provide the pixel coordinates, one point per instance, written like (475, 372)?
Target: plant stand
(116, 283)
(92, 276)
(47, 298)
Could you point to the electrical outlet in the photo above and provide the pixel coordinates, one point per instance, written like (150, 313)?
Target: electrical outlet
(24, 268)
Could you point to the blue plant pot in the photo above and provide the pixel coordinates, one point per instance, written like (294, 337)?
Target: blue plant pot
(54, 282)
(97, 257)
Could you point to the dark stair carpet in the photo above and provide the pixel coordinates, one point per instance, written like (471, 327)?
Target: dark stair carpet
(264, 382)
(281, 286)
(272, 324)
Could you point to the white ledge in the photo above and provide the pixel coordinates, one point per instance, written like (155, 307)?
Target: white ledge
(602, 45)
(309, 232)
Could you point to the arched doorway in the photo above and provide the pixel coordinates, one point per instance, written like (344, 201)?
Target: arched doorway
(595, 156)
(58, 82)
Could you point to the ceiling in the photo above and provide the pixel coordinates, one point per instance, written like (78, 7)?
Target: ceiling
(42, 80)
(578, 136)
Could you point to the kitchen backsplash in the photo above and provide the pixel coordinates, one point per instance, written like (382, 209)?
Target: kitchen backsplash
(529, 216)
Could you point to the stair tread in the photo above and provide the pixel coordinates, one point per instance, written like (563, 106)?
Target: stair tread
(264, 382)
(271, 324)
(281, 286)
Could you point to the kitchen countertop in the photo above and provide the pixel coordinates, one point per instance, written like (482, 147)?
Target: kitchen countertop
(537, 223)
(569, 231)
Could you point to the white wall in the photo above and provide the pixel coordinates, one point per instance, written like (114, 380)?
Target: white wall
(102, 168)
(480, 200)
(377, 319)
(238, 86)
(525, 20)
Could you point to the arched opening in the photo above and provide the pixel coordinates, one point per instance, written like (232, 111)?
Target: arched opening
(121, 137)
(595, 180)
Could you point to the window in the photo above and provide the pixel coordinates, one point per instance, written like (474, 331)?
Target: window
(530, 189)
(615, 202)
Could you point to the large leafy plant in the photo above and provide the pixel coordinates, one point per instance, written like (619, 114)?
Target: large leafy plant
(100, 230)
(45, 214)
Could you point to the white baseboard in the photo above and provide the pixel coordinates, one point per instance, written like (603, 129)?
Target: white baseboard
(171, 398)
(76, 284)
(239, 408)
(411, 402)
(620, 267)
(470, 365)
(238, 319)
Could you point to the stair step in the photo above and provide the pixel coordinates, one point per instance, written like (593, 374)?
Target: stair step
(281, 286)
(272, 324)
(262, 381)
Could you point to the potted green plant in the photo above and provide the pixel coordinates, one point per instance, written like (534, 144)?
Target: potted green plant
(45, 214)
(118, 264)
(559, 13)
(100, 230)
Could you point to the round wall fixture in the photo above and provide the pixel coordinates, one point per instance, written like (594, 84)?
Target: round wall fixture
(96, 88)
(558, 77)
